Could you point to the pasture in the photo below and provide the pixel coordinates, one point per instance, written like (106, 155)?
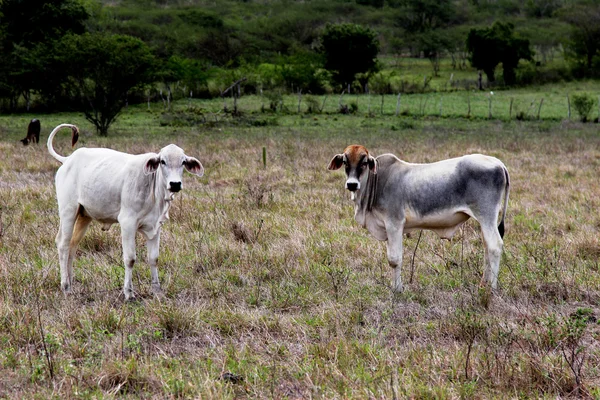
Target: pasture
(273, 291)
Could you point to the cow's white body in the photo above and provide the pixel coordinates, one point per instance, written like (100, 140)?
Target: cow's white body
(114, 187)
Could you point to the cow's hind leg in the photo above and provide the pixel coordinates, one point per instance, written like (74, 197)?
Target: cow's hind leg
(152, 246)
(493, 252)
(81, 224)
(63, 242)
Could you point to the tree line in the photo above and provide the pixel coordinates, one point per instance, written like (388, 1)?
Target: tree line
(84, 55)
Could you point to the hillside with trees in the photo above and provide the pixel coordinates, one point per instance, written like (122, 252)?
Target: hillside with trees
(99, 56)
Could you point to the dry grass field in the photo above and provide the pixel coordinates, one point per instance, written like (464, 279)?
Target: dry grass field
(273, 291)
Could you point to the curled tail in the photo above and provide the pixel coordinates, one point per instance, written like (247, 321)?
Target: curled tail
(506, 191)
(74, 137)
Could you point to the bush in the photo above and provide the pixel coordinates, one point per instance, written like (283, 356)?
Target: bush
(583, 104)
(530, 73)
(312, 104)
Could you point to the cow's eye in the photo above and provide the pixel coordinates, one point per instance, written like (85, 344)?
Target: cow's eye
(163, 162)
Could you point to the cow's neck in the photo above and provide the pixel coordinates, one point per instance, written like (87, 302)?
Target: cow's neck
(157, 206)
(365, 198)
(162, 197)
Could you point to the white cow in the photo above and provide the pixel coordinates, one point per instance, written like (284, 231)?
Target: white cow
(113, 187)
(392, 197)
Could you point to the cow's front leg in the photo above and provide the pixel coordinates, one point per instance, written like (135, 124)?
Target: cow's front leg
(152, 246)
(394, 255)
(128, 231)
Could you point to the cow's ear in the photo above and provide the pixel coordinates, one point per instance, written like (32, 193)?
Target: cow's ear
(193, 166)
(372, 164)
(151, 165)
(336, 162)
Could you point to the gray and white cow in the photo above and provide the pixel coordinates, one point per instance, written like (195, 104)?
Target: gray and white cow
(135, 191)
(392, 197)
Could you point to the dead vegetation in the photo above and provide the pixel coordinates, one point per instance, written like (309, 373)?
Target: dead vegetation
(268, 279)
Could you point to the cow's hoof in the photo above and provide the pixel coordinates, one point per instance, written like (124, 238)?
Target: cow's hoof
(397, 289)
(158, 292)
(130, 297)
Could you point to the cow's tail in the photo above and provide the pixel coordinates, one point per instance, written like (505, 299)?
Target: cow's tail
(506, 191)
(74, 137)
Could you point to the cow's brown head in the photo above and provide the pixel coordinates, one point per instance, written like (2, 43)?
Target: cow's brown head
(357, 161)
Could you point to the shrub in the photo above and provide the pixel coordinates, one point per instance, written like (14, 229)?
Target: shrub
(312, 104)
(583, 104)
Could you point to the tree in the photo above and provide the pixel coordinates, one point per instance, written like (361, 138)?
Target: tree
(349, 49)
(497, 44)
(431, 44)
(422, 21)
(29, 22)
(584, 43)
(103, 69)
(301, 71)
(29, 30)
(424, 15)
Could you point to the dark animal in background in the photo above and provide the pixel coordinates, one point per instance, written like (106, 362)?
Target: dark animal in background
(33, 132)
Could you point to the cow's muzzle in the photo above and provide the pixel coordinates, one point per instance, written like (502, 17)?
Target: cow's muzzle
(352, 186)
(174, 187)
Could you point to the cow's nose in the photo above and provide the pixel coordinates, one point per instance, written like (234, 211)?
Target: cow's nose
(352, 186)
(174, 186)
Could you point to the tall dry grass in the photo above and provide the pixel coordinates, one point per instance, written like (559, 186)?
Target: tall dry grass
(273, 291)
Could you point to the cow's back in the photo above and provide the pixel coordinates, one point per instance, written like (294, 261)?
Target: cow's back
(431, 188)
(98, 178)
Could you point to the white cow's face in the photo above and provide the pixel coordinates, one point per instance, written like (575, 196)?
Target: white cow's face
(169, 164)
(357, 162)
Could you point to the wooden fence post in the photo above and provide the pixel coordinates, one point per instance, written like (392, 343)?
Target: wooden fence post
(469, 105)
(398, 104)
(323, 105)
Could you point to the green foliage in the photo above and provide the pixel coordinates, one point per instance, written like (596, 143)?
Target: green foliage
(200, 45)
(583, 104)
(28, 31)
(380, 82)
(189, 73)
(497, 44)
(27, 23)
(422, 16)
(103, 69)
(432, 44)
(312, 104)
(302, 71)
(541, 8)
(349, 49)
(584, 42)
